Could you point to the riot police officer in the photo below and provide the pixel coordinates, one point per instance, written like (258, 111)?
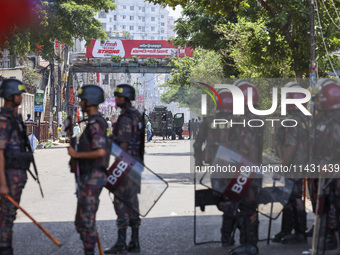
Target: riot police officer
(249, 143)
(326, 155)
(215, 136)
(292, 144)
(90, 157)
(128, 134)
(13, 167)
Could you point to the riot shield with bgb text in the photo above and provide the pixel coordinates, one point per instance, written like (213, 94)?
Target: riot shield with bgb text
(133, 183)
(242, 180)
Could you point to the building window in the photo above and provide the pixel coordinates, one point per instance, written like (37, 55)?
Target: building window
(153, 9)
(143, 9)
(143, 19)
(152, 38)
(162, 31)
(114, 17)
(110, 19)
(132, 17)
(124, 7)
(152, 28)
(143, 29)
(131, 27)
(153, 18)
(162, 16)
(162, 24)
(123, 27)
(104, 26)
(124, 17)
(106, 79)
(102, 15)
(132, 8)
(115, 27)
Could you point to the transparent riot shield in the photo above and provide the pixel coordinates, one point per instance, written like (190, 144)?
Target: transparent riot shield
(240, 179)
(137, 186)
(275, 193)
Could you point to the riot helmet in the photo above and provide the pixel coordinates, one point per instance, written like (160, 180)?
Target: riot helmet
(92, 94)
(294, 95)
(227, 101)
(10, 87)
(125, 90)
(244, 85)
(328, 94)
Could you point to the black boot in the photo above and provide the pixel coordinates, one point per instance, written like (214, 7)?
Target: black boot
(300, 228)
(286, 225)
(89, 252)
(134, 243)
(246, 249)
(227, 230)
(120, 245)
(8, 251)
(330, 240)
(248, 237)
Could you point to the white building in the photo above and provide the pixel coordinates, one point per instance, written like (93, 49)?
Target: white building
(136, 19)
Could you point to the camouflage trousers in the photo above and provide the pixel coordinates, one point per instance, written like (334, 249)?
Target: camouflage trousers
(125, 215)
(90, 188)
(313, 184)
(16, 180)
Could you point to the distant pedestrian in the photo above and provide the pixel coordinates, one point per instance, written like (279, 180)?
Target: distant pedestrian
(59, 130)
(149, 131)
(29, 118)
(109, 123)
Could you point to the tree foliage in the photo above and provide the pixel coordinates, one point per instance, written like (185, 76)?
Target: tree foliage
(286, 24)
(205, 66)
(62, 20)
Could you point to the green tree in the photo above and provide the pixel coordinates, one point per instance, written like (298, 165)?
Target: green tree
(287, 20)
(62, 20)
(205, 66)
(197, 29)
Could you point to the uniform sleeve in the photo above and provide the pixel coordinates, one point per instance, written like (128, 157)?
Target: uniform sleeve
(291, 136)
(124, 130)
(4, 126)
(98, 135)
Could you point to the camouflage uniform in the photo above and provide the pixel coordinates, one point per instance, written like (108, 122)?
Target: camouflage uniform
(10, 140)
(215, 136)
(127, 130)
(326, 151)
(294, 214)
(249, 143)
(92, 180)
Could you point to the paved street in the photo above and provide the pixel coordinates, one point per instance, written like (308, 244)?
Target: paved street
(167, 229)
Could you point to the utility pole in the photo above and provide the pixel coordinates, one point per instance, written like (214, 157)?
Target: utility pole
(312, 66)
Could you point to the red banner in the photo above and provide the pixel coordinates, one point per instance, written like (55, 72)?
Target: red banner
(139, 48)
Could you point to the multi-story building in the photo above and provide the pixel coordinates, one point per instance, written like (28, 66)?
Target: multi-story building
(136, 19)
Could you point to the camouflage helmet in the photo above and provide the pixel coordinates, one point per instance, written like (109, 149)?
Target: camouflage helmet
(244, 85)
(92, 94)
(11, 87)
(125, 90)
(328, 94)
